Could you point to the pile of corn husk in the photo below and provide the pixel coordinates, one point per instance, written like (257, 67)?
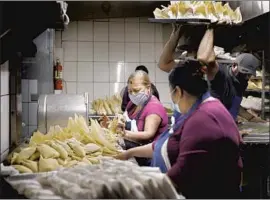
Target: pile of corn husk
(76, 144)
(212, 10)
(107, 106)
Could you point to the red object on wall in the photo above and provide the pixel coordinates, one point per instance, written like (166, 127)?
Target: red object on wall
(58, 70)
(58, 76)
(58, 84)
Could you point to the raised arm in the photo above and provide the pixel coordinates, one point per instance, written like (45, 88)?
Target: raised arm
(166, 61)
(206, 54)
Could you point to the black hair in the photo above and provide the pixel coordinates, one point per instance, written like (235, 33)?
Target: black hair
(143, 68)
(189, 76)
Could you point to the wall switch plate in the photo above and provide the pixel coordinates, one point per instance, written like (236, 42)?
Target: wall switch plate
(34, 97)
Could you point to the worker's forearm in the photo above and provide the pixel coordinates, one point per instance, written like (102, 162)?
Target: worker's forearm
(144, 151)
(138, 136)
(166, 56)
(169, 49)
(206, 52)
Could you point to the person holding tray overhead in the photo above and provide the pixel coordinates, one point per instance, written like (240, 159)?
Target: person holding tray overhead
(200, 154)
(228, 82)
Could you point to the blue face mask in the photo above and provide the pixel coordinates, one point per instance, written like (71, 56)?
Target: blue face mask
(176, 107)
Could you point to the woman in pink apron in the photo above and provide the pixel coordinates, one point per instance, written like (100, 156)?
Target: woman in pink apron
(146, 118)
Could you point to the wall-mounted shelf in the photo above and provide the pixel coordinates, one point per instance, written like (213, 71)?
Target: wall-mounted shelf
(259, 77)
(258, 91)
(263, 93)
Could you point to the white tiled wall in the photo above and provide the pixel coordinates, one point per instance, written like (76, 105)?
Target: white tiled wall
(29, 108)
(36, 80)
(98, 56)
(4, 100)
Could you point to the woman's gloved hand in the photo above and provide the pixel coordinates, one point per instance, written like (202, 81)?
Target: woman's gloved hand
(121, 128)
(121, 125)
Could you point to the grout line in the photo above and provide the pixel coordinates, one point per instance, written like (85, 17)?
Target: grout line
(110, 61)
(111, 41)
(125, 49)
(29, 100)
(61, 41)
(109, 57)
(93, 70)
(140, 42)
(155, 46)
(91, 82)
(4, 95)
(77, 31)
(77, 63)
(93, 41)
(0, 91)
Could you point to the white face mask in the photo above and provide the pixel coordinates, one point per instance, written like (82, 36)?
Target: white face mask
(139, 98)
(176, 107)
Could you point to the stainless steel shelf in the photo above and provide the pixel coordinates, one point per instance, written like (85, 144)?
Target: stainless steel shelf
(256, 141)
(259, 91)
(257, 138)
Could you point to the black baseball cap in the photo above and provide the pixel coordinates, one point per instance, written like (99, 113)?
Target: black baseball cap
(247, 63)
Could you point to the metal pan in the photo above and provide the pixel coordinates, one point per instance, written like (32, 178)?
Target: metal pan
(190, 21)
(181, 21)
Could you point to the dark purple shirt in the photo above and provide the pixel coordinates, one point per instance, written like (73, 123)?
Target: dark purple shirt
(206, 161)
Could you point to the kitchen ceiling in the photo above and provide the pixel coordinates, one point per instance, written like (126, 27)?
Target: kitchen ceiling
(86, 10)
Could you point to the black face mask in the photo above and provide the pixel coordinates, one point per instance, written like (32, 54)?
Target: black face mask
(242, 76)
(243, 81)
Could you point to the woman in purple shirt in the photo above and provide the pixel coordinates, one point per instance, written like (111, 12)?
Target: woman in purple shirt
(146, 117)
(201, 153)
